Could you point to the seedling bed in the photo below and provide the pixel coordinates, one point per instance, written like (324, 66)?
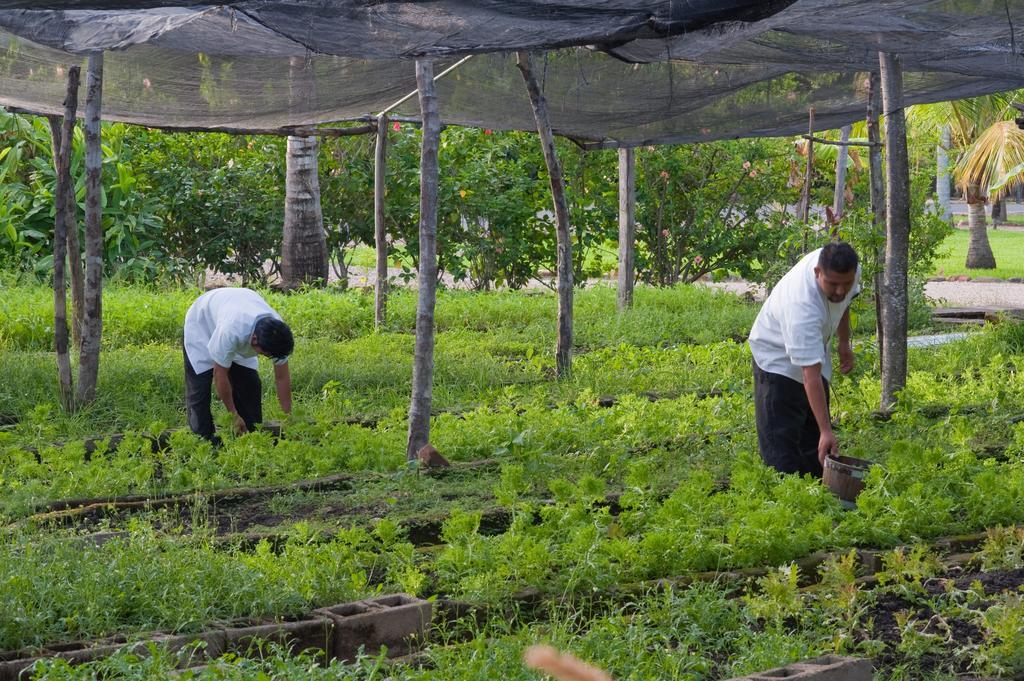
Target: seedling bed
(160, 441)
(363, 629)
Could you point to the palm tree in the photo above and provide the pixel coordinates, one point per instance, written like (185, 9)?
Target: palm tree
(968, 121)
(304, 251)
(990, 167)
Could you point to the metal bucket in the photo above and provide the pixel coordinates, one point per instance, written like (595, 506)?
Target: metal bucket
(844, 475)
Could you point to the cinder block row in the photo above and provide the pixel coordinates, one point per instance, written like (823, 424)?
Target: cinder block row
(398, 622)
(826, 668)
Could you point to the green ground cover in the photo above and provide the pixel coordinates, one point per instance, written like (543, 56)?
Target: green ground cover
(690, 492)
(1007, 246)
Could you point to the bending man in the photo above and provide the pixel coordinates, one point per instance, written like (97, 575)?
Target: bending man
(790, 342)
(225, 330)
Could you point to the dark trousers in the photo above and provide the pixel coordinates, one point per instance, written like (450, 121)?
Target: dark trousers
(245, 389)
(787, 432)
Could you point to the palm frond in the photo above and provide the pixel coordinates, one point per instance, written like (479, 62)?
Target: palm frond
(966, 118)
(989, 161)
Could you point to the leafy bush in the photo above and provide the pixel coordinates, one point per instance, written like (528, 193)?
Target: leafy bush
(131, 219)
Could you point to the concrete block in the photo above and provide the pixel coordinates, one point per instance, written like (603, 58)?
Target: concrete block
(826, 668)
(15, 670)
(190, 649)
(314, 634)
(870, 561)
(193, 649)
(397, 621)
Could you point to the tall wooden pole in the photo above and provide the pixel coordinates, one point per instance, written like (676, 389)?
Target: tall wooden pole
(563, 346)
(92, 322)
(423, 361)
(627, 227)
(380, 171)
(839, 195)
(63, 137)
(942, 173)
(897, 230)
(805, 196)
(877, 198)
(70, 213)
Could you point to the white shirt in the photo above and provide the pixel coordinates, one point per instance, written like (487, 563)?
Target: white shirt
(795, 326)
(219, 328)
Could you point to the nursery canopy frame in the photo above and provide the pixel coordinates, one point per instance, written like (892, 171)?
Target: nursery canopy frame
(616, 72)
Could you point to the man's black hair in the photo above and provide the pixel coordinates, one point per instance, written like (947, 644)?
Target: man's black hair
(838, 257)
(274, 337)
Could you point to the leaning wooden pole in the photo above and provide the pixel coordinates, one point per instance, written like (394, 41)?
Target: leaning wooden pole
(70, 214)
(877, 198)
(63, 137)
(805, 195)
(627, 227)
(380, 173)
(426, 277)
(897, 230)
(563, 346)
(839, 194)
(92, 322)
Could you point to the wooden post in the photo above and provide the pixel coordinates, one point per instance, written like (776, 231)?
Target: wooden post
(92, 322)
(877, 198)
(380, 289)
(63, 137)
(942, 172)
(70, 214)
(839, 196)
(804, 211)
(897, 230)
(563, 346)
(426, 277)
(627, 227)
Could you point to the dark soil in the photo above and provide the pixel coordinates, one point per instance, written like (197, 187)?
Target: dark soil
(993, 582)
(954, 636)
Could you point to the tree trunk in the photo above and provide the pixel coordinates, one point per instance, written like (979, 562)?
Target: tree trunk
(426, 276)
(999, 211)
(62, 132)
(942, 173)
(92, 318)
(380, 173)
(897, 241)
(563, 347)
(627, 227)
(979, 252)
(877, 198)
(304, 251)
(839, 194)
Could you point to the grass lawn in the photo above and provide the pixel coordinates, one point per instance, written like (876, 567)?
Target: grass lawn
(1007, 246)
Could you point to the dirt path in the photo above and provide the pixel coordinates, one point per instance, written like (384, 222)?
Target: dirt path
(1001, 294)
(976, 293)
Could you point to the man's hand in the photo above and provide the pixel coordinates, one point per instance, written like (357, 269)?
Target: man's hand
(240, 427)
(827, 446)
(845, 357)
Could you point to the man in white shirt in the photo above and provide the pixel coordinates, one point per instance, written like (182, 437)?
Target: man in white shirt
(790, 342)
(226, 329)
